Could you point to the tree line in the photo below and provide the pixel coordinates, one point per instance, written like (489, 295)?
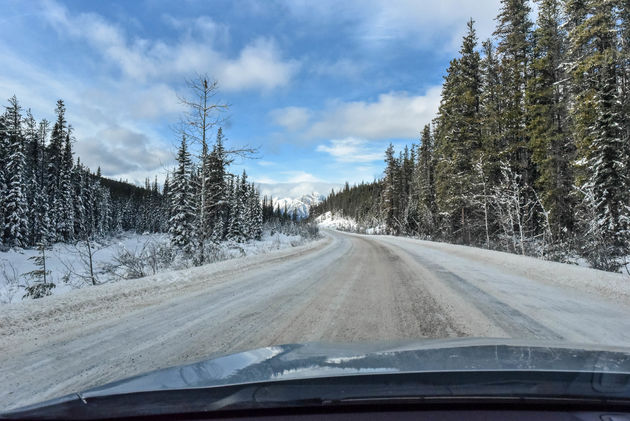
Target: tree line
(46, 196)
(530, 149)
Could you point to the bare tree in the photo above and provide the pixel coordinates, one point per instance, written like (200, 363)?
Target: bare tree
(10, 286)
(203, 114)
(86, 252)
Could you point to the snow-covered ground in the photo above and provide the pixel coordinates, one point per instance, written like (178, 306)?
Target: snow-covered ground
(336, 221)
(68, 264)
(342, 288)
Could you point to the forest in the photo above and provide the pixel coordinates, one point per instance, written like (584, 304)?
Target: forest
(530, 149)
(48, 197)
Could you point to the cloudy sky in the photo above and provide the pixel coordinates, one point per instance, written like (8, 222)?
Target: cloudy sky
(321, 87)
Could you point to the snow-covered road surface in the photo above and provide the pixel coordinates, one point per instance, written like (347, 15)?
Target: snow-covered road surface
(343, 288)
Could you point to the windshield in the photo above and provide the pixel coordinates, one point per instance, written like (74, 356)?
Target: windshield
(181, 181)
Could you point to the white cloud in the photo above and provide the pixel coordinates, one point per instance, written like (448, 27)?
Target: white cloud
(352, 150)
(294, 190)
(122, 152)
(259, 65)
(392, 115)
(264, 163)
(291, 118)
(339, 68)
(427, 24)
(300, 177)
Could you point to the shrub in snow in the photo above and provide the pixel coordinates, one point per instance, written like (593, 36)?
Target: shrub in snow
(10, 282)
(41, 276)
(39, 290)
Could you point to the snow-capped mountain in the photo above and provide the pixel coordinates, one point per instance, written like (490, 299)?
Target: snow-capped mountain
(301, 205)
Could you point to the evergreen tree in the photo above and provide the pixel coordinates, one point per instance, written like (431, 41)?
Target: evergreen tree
(424, 179)
(181, 223)
(514, 49)
(42, 286)
(491, 112)
(597, 113)
(389, 199)
(216, 189)
(64, 200)
(237, 230)
(16, 232)
(550, 141)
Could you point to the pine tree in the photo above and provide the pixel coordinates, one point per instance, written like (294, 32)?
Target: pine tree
(550, 141)
(514, 50)
(237, 230)
(598, 122)
(64, 203)
(181, 223)
(54, 163)
(458, 139)
(4, 152)
(424, 182)
(16, 232)
(256, 214)
(389, 199)
(216, 189)
(43, 286)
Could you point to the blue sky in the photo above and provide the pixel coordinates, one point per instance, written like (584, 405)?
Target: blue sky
(321, 87)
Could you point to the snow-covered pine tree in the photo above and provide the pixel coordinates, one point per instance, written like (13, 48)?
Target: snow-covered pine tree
(216, 188)
(77, 178)
(64, 210)
(15, 206)
(165, 209)
(424, 184)
(42, 133)
(4, 151)
(237, 224)
(182, 221)
(389, 199)
(202, 116)
(597, 114)
(54, 162)
(244, 192)
(256, 213)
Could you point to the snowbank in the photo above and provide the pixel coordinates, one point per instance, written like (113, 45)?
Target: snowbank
(610, 285)
(69, 268)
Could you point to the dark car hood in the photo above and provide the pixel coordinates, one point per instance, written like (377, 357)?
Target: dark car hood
(288, 363)
(298, 361)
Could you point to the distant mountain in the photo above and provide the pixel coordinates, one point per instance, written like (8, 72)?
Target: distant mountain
(301, 205)
(295, 190)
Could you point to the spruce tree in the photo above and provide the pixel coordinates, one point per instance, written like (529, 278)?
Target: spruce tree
(15, 206)
(42, 285)
(514, 51)
(550, 140)
(389, 200)
(181, 223)
(216, 189)
(598, 121)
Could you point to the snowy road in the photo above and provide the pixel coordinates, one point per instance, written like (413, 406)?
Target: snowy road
(341, 289)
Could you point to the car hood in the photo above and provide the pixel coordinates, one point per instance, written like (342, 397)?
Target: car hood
(311, 360)
(212, 383)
